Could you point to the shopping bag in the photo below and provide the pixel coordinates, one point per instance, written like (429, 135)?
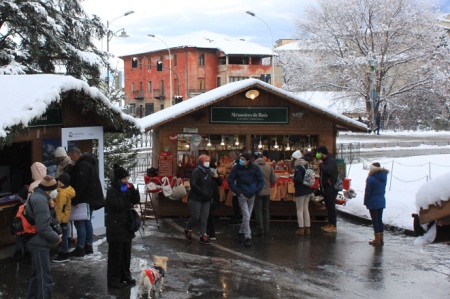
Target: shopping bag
(178, 191)
(166, 187)
(134, 223)
(291, 187)
(80, 212)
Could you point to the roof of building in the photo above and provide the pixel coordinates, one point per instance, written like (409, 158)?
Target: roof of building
(26, 97)
(216, 95)
(206, 40)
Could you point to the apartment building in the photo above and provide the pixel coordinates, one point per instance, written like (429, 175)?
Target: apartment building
(198, 62)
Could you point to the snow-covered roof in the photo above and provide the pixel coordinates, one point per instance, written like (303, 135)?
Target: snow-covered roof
(207, 40)
(336, 101)
(25, 97)
(227, 90)
(298, 45)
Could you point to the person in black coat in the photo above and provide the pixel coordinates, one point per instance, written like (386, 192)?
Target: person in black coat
(85, 180)
(215, 204)
(328, 177)
(120, 198)
(200, 198)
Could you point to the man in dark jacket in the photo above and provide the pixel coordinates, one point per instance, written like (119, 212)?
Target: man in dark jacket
(328, 177)
(246, 181)
(120, 199)
(38, 208)
(86, 182)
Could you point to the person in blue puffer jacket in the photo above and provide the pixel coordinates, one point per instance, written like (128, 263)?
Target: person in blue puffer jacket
(246, 181)
(375, 201)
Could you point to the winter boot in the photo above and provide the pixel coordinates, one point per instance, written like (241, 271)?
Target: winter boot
(376, 240)
(300, 231)
(205, 240)
(78, 252)
(381, 238)
(324, 227)
(62, 257)
(188, 234)
(307, 230)
(88, 249)
(330, 229)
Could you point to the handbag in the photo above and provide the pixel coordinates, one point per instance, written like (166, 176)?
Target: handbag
(178, 191)
(166, 187)
(80, 212)
(134, 223)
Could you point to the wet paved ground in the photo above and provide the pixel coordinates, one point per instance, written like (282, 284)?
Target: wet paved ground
(282, 265)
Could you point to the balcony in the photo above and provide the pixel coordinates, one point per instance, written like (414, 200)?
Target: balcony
(159, 94)
(196, 92)
(138, 94)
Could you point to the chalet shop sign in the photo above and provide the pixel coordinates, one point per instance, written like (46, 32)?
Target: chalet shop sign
(52, 117)
(249, 115)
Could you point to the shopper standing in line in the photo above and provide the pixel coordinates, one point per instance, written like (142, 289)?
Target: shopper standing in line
(328, 177)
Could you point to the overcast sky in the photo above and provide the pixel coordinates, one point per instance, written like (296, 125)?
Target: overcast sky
(185, 16)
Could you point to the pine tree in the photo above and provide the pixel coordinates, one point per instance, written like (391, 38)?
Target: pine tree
(50, 36)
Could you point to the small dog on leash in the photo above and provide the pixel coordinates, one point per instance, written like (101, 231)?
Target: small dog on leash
(151, 277)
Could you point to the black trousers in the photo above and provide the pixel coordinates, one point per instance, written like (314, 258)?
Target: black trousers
(119, 258)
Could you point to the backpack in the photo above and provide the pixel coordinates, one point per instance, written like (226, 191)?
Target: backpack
(23, 224)
(310, 177)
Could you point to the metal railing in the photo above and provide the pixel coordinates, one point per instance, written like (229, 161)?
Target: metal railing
(348, 152)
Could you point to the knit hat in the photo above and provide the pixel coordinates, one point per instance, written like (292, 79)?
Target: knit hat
(60, 152)
(323, 149)
(297, 154)
(247, 156)
(203, 158)
(120, 172)
(48, 183)
(64, 178)
(257, 155)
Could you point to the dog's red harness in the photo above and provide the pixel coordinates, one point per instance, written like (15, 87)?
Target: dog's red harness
(153, 275)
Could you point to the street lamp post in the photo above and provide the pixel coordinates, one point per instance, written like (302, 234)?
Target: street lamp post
(373, 91)
(271, 35)
(170, 67)
(109, 36)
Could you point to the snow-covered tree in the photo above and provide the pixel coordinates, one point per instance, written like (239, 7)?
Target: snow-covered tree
(50, 36)
(396, 46)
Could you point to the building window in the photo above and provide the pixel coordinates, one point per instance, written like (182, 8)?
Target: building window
(174, 59)
(201, 59)
(219, 81)
(150, 87)
(162, 87)
(132, 86)
(141, 87)
(140, 64)
(149, 64)
(201, 82)
(235, 79)
(133, 108)
(161, 107)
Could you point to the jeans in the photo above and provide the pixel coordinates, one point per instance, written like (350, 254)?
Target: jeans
(40, 284)
(330, 203)
(302, 205)
(262, 213)
(85, 231)
(65, 236)
(236, 209)
(377, 219)
(199, 212)
(246, 208)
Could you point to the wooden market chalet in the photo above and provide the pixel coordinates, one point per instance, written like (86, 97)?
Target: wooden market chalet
(245, 116)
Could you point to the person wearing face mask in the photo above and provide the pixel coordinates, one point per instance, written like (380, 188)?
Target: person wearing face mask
(120, 198)
(200, 198)
(246, 181)
(328, 177)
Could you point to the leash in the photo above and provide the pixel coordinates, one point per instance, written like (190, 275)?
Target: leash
(143, 242)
